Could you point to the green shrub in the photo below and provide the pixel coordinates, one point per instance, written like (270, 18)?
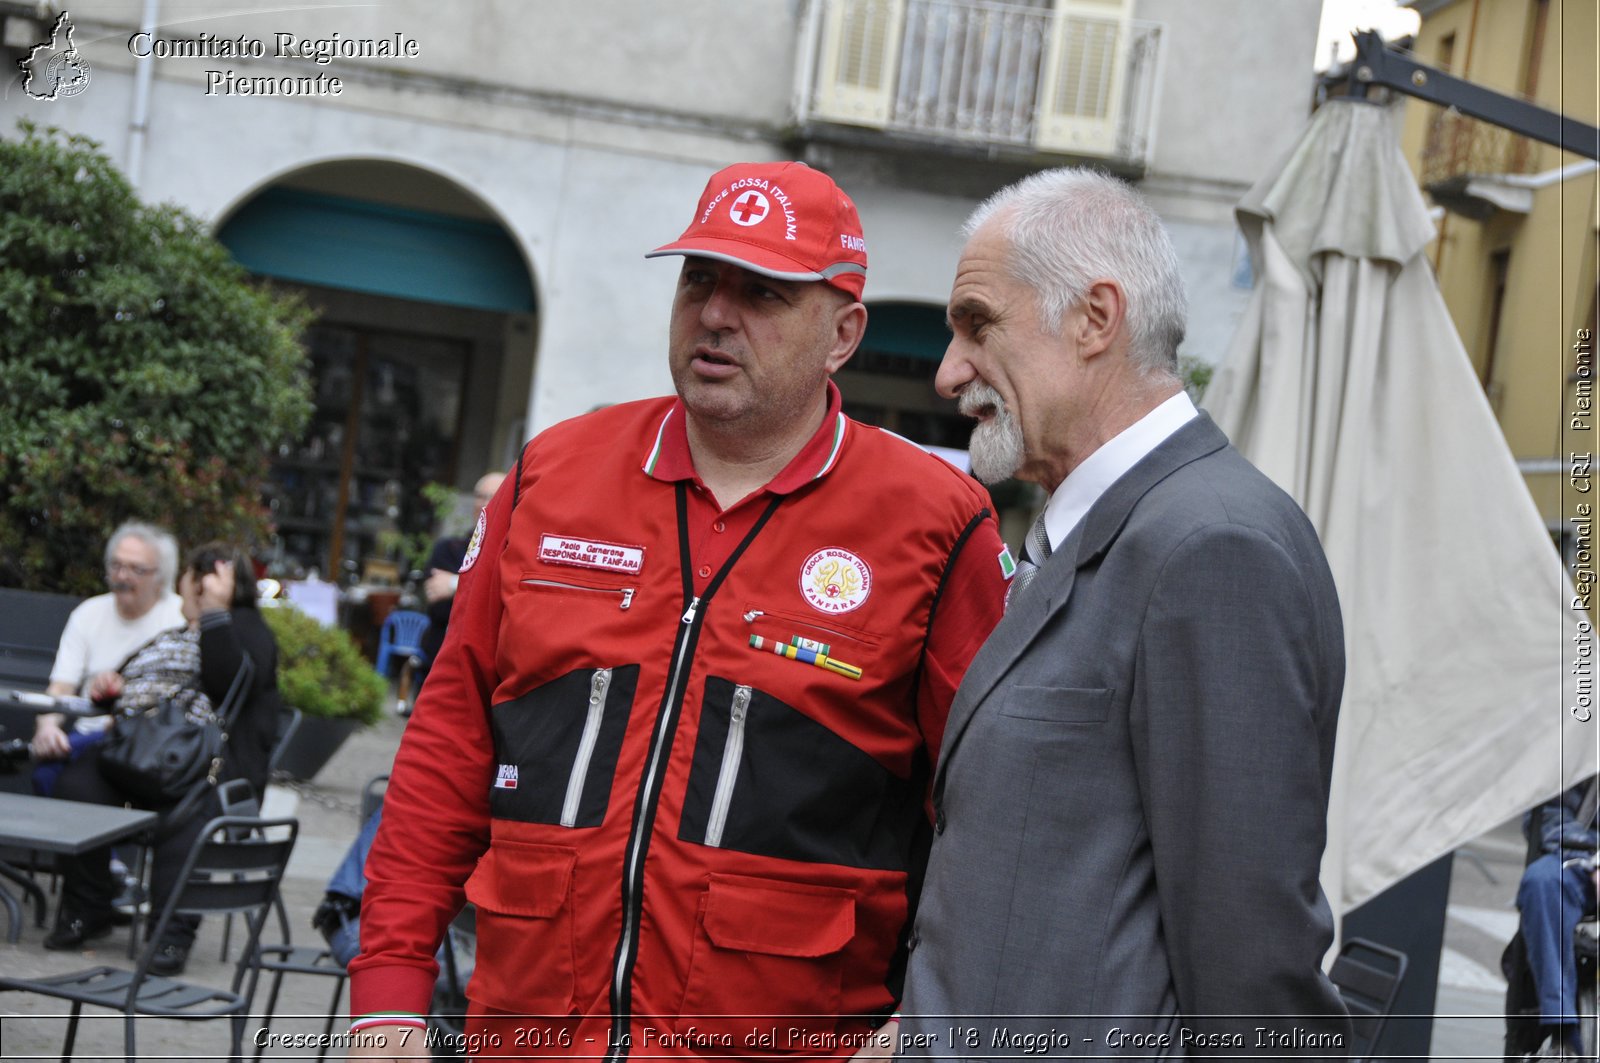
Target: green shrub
(145, 375)
(320, 669)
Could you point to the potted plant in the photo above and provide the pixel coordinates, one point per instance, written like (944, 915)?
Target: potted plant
(321, 672)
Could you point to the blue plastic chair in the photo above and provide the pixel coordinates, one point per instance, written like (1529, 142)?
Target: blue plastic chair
(401, 636)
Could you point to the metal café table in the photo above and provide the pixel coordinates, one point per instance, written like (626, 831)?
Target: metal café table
(48, 825)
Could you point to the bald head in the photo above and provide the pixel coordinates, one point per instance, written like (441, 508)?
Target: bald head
(483, 491)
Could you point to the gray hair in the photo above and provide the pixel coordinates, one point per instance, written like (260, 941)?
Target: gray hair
(1070, 227)
(162, 542)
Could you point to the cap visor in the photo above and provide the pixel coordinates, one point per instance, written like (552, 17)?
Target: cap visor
(755, 259)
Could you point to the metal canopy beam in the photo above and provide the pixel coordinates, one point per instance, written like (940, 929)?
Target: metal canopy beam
(1377, 65)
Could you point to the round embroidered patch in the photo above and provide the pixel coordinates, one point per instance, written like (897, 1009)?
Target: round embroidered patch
(749, 209)
(835, 580)
(477, 540)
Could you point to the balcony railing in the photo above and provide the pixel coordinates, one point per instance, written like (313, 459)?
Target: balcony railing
(1458, 146)
(1071, 78)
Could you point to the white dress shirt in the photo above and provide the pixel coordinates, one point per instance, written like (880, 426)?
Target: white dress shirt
(1084, 485)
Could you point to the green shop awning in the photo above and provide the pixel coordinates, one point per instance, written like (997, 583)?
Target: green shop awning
(337, 242)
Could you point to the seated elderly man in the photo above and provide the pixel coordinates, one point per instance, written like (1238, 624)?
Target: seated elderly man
(141, 564)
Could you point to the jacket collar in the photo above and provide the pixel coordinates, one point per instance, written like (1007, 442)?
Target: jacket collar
(1052, 587)
(669, 459)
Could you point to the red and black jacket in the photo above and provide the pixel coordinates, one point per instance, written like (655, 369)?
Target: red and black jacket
(667, 830)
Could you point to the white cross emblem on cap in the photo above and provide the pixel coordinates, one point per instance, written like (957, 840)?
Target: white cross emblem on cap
(749, 208)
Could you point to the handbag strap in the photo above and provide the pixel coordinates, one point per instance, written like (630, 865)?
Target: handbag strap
(226, 714)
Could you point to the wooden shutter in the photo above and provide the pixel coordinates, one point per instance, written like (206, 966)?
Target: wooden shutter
(1085, 74)
(859, 55)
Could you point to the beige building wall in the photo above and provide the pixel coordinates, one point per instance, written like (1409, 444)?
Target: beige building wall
(1519, 285)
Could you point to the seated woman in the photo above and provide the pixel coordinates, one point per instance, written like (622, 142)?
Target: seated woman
(226, 640)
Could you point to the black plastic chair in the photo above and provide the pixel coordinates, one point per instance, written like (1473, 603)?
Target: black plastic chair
(235, 865)
(1368, 976)
(289, 958)
(235, 797)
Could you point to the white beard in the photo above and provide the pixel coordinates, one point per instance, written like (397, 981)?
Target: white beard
(996, 448)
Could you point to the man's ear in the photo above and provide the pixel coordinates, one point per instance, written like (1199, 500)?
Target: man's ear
(849, 326)
(1100, 323)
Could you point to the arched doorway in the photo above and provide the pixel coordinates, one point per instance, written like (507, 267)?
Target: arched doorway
(421, 357)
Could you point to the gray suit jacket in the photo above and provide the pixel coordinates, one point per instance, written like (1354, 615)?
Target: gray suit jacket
(1131, 799)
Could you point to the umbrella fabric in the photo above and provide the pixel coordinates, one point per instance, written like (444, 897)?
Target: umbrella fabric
(1347, 384)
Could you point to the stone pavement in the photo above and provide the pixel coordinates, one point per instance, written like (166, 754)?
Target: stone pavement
(1480, 920)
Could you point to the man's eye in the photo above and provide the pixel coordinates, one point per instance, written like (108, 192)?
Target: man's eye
(761, 292)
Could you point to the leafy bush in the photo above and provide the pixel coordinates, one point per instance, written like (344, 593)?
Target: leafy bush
(145, 375)
(320, 669)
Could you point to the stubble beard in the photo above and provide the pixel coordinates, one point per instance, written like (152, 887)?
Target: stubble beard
(996, 448)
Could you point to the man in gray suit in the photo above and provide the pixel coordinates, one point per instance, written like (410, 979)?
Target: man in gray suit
(1131, 798)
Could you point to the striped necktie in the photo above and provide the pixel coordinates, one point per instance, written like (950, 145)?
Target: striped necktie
(1035, 552)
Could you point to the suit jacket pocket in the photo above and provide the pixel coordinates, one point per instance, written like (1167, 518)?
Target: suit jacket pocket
(1058, 704)
(768, 953)
(526, 943)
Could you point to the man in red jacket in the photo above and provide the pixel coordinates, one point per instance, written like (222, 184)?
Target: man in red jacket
(675, 749)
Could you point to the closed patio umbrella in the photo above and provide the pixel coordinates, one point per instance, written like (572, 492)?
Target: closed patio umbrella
(1348, 385)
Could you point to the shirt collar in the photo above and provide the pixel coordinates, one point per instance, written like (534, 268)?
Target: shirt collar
(1084, 485)
(669, 459)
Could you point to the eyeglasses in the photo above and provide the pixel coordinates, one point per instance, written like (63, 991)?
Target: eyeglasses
(113, 567)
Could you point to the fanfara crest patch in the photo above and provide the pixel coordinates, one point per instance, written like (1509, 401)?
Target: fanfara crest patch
(477, 540)
(835, 580)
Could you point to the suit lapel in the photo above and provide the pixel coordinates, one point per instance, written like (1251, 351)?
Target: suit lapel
(1052, 587)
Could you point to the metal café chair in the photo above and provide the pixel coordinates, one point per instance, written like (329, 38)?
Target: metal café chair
(235, 865)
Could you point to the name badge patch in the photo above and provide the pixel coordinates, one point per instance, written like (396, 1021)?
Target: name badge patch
(590, 553)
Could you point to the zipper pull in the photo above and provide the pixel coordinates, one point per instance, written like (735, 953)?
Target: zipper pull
(627, 597)
(741, 704)
(688, 614)
(750, 617)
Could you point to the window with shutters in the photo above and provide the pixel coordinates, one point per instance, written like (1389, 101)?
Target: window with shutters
(1069, 76)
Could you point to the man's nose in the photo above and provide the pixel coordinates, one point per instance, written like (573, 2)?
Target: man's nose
(955, 373)
(719, 313)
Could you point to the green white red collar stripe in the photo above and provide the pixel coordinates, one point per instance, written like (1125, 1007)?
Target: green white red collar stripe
(655, 449)
(838, 445)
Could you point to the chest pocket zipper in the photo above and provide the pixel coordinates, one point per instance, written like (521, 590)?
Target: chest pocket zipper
(625, 592)
(732, 752)
(598, 687)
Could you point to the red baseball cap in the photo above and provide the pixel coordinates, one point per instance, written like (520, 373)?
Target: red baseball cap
(779, 219)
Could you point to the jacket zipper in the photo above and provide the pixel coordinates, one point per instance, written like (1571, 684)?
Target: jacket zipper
(626, 592)
(633, 879)
(645, 804)
(591, 734)
(731, 754)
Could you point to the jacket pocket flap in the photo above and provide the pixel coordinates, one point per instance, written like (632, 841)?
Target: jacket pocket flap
(778, 918)
(521, 878)
(1058, 704)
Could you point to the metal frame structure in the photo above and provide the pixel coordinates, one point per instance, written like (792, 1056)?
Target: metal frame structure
(1376, 64)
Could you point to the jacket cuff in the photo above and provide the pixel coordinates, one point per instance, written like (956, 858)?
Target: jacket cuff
(389, 989)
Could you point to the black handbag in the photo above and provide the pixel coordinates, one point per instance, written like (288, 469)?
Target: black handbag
(159, 755)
